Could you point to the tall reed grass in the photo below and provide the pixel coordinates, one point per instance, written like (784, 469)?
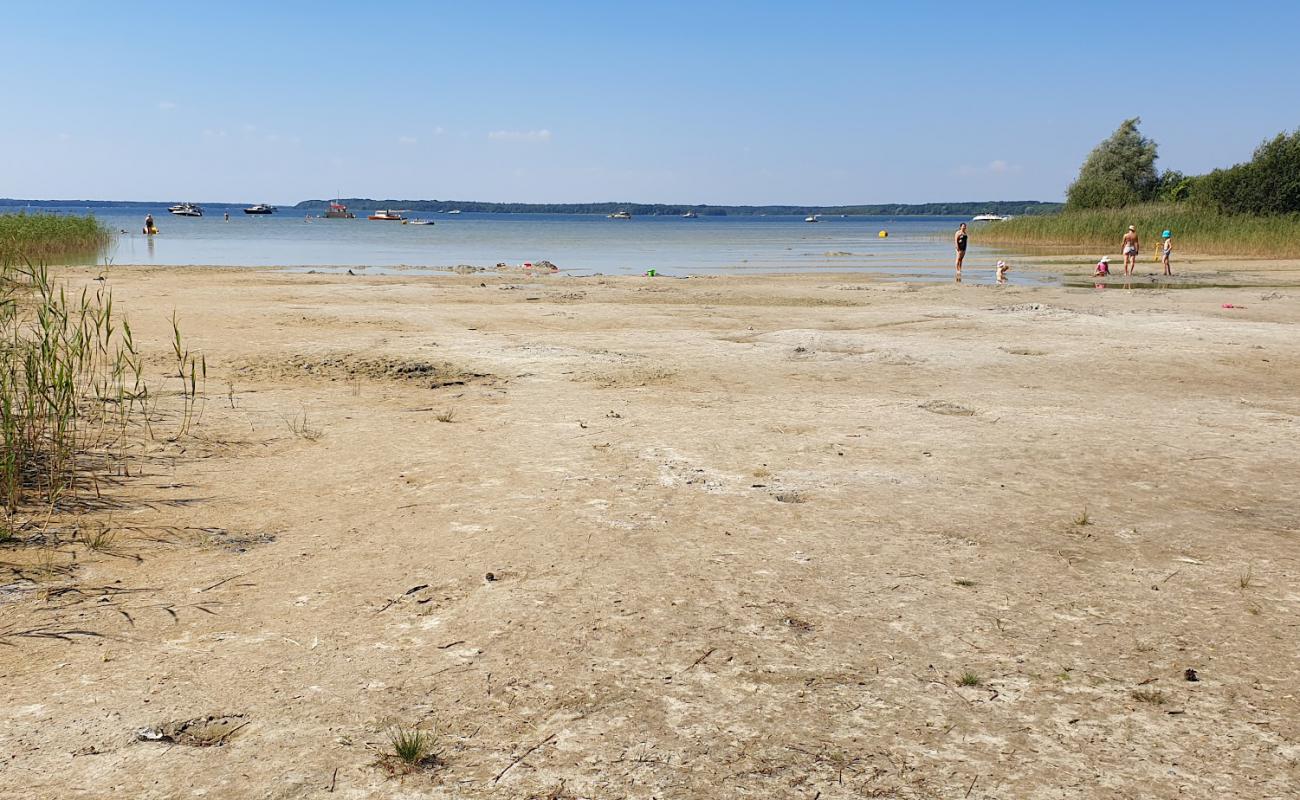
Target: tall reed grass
(72, 386)
(70, 380)
(51, 238)
(1195, 229)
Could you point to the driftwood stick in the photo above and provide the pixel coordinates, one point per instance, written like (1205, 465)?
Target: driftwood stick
(526, 754)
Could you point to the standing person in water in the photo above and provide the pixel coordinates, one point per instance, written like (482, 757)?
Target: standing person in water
(960, 241)
(148, 224)
(1167, 249)
(1130, 246)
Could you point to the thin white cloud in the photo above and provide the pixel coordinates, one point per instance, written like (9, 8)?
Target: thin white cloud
(542, 135)
(995, 167)
(406, 140)
(166, 105)
(439, 130)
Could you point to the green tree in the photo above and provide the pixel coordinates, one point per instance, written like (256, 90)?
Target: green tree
(1174, 186)
(1267, 184)
(1121, 171)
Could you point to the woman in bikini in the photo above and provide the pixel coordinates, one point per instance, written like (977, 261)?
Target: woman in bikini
(1130, 246)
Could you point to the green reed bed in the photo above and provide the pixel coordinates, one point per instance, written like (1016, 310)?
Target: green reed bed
(72, 391)
(51, 238)
(70, 386)
(1195, 229)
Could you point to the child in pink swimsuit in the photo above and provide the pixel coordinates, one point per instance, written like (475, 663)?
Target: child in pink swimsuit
(1103, 267)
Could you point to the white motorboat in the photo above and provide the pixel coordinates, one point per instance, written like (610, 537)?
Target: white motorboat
(454, 211)
(417, 222)
(812, 218)
(388, 215)
(988, 218)
(260, 208)
(619, 215)
(186, 210)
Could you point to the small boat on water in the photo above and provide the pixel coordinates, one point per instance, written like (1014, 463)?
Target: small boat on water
(690, 215)
(186, 210)
(454, 211)
(812, 218)
(260, 208)
(619, 215)
(388, 215)
(416, 221)
(339, 211)
(988, 218)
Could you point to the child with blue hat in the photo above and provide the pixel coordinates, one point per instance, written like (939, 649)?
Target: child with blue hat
(1166, 248)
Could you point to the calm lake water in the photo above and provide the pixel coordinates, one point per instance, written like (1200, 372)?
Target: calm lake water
(917, 248)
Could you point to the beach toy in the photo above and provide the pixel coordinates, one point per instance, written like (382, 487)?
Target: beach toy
(1230, 305)
(1166, 235)
(650, 273)
(883, 234)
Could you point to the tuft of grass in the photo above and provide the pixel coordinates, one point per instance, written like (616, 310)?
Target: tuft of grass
(449, 415)
(412, 747)
(1153, 697)
(1196, 229)
(97, 540)
(1082, 518)
(964, 582)
(970, 679)
(300, 427)
(1245, 578)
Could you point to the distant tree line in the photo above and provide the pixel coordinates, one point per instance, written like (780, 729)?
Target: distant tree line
(1121, 172)
(1004, 207)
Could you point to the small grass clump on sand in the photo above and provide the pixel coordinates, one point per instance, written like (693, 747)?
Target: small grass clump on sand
(1083, 518)
(970, 679)
(412, 748)
(50, 238)
(449, 415)
(1153, 697)
(1196, 229)
(300, 427)
(966, 582)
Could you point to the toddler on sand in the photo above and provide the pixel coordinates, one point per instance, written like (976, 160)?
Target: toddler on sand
(1103, 267)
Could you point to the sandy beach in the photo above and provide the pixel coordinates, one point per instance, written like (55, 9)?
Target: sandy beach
(769, 537)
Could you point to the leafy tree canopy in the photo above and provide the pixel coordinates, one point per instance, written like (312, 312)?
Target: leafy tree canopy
(1121, 171)
(1267, 184)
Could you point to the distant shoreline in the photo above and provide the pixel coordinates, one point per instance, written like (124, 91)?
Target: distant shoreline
(1002, 207)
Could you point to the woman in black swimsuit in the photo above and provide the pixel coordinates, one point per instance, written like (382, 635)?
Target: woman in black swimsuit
(961, 246)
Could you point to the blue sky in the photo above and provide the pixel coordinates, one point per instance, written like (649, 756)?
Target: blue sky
(718, 102)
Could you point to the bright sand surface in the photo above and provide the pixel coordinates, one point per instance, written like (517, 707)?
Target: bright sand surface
(747, 537)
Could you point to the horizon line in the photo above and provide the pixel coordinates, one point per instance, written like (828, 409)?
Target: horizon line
(82, 201)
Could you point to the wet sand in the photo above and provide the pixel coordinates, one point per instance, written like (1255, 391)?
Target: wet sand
(756, 537)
